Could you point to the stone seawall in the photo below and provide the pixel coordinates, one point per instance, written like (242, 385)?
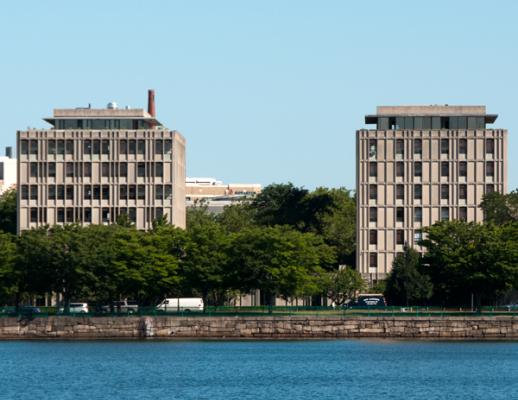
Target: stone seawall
(295, 327)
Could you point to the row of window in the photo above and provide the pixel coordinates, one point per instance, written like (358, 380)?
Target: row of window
(444, 191)
(400, 237)
(97, 192)
(96, 146)
(108, 169)
(418, 147)
(444, 169)
(101, 124)
(84, 215)
(418, 214)
(455, 122)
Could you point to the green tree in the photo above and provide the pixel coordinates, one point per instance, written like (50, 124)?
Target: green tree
(8, 213)
(406, 285)
(469, 259)
(279, 261)
(500, 208)
(343, 284)
(8, 274)
(236, 217)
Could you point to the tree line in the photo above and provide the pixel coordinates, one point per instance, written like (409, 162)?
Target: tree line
(287, 242)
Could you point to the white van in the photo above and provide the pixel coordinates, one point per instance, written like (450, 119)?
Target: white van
(181, 304)
(75, 308)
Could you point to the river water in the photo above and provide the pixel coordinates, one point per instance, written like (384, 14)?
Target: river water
(316, 370)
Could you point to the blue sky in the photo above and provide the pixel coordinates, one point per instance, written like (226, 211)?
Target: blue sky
(264, 91)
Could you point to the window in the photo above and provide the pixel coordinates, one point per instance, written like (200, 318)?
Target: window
(490, 189)
(141, 192)
(168, 192)
(51, 147)
(373, 148)
(88, 215)
(123, 146)
(159, 146)
(463, 214)
(373, 214)
(400, 236)
(400, 192)
(418, 214)
(123, 169)
(132, 192)
(168, 146)
(61, 192)
(400, 169)
(61, 147)
(463, 192)
(445, 192)
(400, 214)
(463, 169)
(445, 213)
(105, 146)
(87, 168)
(141, 147)
(105, 170)
(463, 146)
(400, 147)
(88, 192)
(52, 169)
(1, 171)
(69, 147)
(69, 192)
(373, 260)
(490, 169)
(34, 214)
(159, 192)
(123, 192)
(33, 147)
(132, 214)
(25, 192)
(373, 192)
(490, 146)
(69, 169)
(24, 146)
(141, 170)
(61, 214)
(96, 149)
(87, 147)
(105, 192)
(34, 192)
(105, 212)
(97, 192)
(418, 169)
(33, 169)
(132, 147)
(52, 192)
(373, 236)
(373, 169)
(445, 169)
(159, 212)
(418, 192)
(159, 170)
(445, 146)
(418, 236)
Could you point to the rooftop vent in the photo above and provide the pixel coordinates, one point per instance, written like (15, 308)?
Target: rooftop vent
(112, 105)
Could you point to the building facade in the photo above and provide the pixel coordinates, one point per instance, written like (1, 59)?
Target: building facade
(216, 194)
(420, 165)
(95, 164)
(7, 171)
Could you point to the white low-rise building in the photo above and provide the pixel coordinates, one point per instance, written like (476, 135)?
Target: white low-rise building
(7, 171)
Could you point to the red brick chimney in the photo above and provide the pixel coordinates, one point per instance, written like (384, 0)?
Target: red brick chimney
(151, 102)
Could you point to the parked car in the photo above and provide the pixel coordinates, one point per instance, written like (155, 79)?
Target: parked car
(181, 304)
(75, 308)
(121, 306)
(369, 300)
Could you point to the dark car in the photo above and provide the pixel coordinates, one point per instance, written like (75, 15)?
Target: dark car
(374, 300)
(122, 306)
(29, 310)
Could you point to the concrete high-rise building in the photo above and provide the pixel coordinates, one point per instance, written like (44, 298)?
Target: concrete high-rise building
(96, 164)
(421, 164)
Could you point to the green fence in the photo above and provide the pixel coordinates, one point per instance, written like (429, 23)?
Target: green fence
(266, 311)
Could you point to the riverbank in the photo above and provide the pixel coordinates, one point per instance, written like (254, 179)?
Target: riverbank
(278, 327)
